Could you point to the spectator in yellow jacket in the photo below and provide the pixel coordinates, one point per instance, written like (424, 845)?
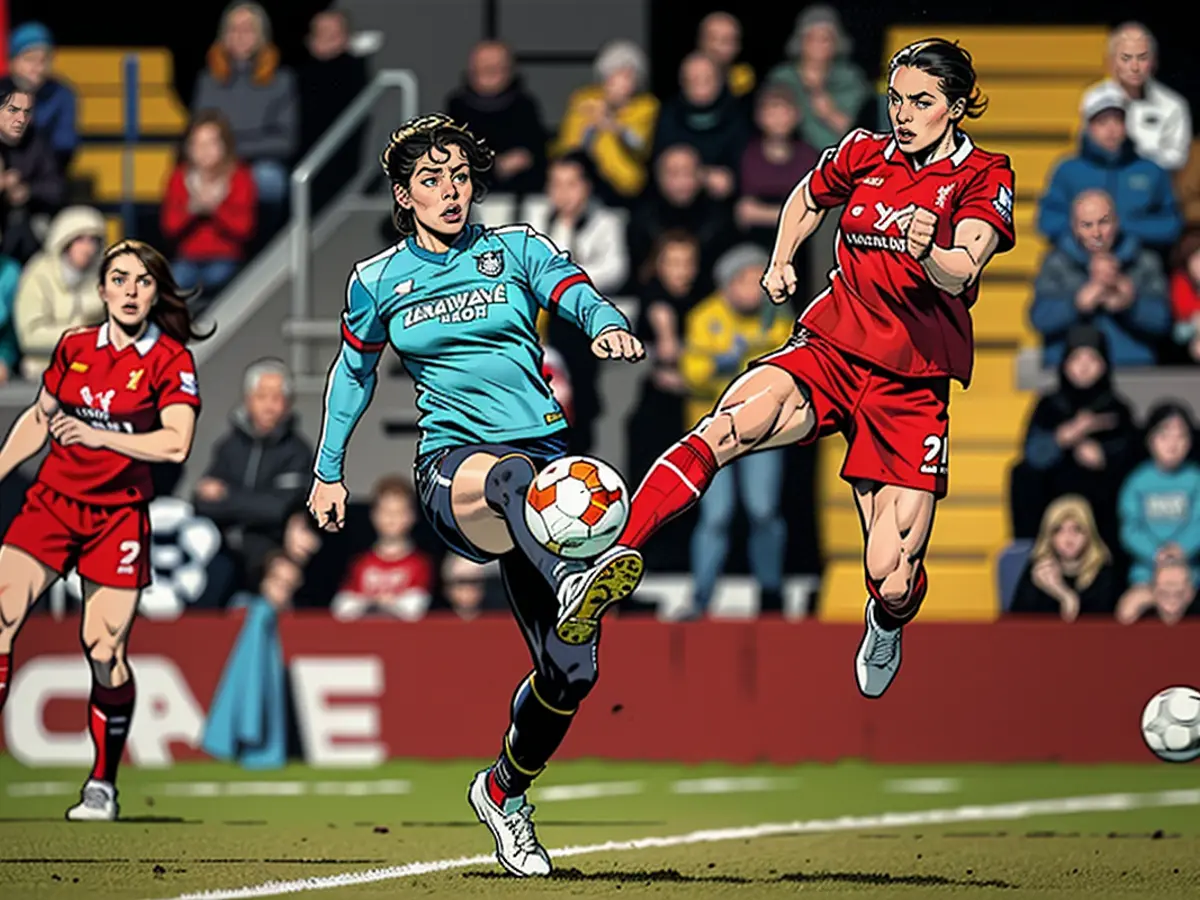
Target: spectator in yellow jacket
(613, 122)
(723, 333)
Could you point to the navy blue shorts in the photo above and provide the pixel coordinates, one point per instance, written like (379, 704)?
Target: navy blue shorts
(435, 471)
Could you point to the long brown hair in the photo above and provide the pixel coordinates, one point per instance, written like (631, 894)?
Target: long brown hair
(170, 310)
(1095, 555)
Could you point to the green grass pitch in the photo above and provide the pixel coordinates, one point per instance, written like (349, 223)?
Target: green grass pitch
(974, 832)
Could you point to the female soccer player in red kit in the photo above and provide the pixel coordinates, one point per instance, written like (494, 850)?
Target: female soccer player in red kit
(924, 210)
(114, 399)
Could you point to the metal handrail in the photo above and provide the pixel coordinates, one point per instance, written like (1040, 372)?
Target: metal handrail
(316, 159)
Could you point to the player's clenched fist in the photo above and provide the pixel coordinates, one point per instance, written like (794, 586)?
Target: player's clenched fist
(779, 282)
(616, 343)
(327, 504)
(68, 431)
(922, 225)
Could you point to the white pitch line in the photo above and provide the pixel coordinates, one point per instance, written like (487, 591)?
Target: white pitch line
(586, 791)
(1022, 809)
(384, 787)
(730, 785)
(923, 785)
(43, 789)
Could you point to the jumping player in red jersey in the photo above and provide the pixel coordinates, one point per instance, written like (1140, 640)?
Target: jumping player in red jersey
(114, 399)
(924, 210)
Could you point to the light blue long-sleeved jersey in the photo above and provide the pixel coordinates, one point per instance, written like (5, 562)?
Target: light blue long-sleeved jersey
(464, 325)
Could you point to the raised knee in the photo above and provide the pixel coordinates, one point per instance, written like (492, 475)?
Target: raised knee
(568, 689)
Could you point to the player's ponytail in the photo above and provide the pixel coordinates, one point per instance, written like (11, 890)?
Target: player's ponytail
(170, 310)
(951, 65)
(413, 140)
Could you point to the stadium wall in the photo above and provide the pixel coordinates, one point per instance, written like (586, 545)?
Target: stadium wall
(709, 691)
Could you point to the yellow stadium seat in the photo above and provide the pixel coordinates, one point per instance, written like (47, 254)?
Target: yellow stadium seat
(98, 75)
(1029, 109)
(1004, 50)
(159, 114)
(114, 229)
(1001, 315)
(962, 591)
(103, 164)
(958, 527)
(974, 473)
(99, 67)
(1033, 162)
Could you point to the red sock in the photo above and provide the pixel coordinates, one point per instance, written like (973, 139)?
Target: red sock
(495, 792)
(674, 483)
(109, 714)
(891, 617)
(5, 663)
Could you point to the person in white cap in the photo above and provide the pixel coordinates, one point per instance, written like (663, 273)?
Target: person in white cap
(1157, 118)
(1141, 190)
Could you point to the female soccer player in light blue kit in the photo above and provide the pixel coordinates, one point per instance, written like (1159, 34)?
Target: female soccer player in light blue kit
(459, 303)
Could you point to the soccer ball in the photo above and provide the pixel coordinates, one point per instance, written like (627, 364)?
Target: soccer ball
(1171, 724)
(577, 507)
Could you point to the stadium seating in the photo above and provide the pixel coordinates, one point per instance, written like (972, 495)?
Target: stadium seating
(98, 76)
(1034, 78)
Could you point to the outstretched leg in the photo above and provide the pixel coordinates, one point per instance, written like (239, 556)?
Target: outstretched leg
(107, 619)
(543, 708)
(764, 408)
(488, 499)
(897, 522)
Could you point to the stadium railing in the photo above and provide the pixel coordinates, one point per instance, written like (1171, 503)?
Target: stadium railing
(301, 328)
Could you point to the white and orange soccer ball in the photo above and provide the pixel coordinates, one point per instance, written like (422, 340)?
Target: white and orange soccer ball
(577, 507)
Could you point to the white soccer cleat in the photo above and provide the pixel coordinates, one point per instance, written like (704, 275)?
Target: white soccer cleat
(878, 657)
(98, 803)
(584, 596)
(517, 847)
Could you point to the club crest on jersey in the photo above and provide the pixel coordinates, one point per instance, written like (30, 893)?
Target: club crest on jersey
(1003, 202)
(135, 378)
(490, 263)
(943, 194)
(101, 401)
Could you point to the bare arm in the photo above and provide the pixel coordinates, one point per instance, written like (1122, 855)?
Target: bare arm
(955, 268)
(28, 434)
(170, 443)
(799, 219)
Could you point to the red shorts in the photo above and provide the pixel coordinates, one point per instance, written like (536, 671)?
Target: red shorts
(108, 545)
(897, 427)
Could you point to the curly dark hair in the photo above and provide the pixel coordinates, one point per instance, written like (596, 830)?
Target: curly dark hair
(419, 136)
(951, 65)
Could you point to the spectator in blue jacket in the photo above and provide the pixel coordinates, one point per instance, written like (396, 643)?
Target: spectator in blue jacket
(1159, 510)
(1099, 274)
(1107, 160)
(30, 58)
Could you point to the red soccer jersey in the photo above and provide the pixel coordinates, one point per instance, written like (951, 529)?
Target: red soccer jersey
(881, 305)
(118, 391)
(373, 576)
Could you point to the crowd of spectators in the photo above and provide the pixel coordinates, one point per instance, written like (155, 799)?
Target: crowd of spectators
(1108, 507)
(250, 121)
(671, 199)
